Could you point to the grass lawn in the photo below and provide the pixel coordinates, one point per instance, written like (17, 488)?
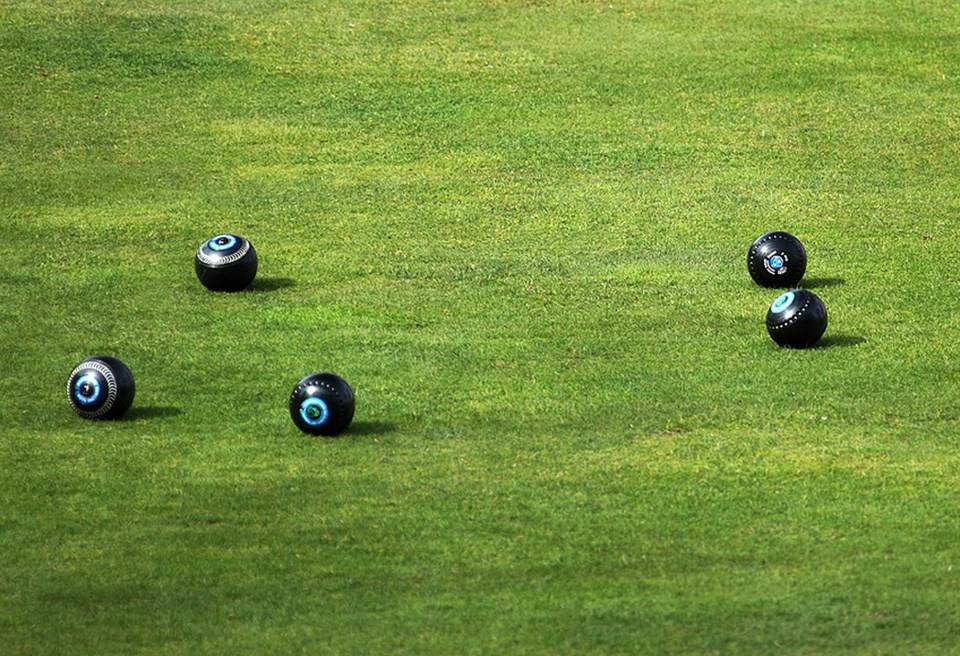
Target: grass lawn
(519, 230)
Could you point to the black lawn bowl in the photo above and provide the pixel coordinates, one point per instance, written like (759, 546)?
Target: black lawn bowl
(322, 404)
(100, 387)
(797, 319)
(776, 259)
(226, 263)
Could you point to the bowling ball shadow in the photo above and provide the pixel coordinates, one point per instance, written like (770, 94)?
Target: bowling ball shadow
(151, 412)
(271, 284)
(838, 341)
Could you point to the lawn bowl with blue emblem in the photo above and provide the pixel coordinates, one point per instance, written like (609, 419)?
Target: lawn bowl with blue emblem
(100, 387)
(322, 404)
(226, 263)
(797, 319)
(776, 259)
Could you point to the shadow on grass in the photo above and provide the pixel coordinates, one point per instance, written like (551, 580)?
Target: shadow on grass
(822, 283)
(152, 412)
(368, 428)
(835, 341)
(271, 284)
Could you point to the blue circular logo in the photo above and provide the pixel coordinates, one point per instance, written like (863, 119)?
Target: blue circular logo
(87, 389)
(222, 243)
(776, 262)
(314, 411)
(783, 302)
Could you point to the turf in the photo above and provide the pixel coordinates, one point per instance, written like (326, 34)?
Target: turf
(519, 230)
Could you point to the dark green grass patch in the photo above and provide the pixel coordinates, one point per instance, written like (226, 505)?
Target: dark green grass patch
(519, 231)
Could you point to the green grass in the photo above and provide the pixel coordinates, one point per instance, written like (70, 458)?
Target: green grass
(519, 230)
